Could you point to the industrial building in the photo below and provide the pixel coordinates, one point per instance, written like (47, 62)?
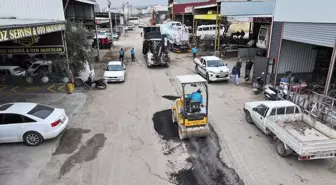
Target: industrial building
(19, 21)
(304, 43)
(182, 10)
(80, 11)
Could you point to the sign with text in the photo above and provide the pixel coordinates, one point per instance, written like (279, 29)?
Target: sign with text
(188, 9)
(30, 31)
(44, 50)
(51, 43)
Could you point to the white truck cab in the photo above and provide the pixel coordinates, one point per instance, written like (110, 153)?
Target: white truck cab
(295, 131)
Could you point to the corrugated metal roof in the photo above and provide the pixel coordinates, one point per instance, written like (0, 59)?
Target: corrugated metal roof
(205, 6)
(12, 23)
(180, 8)
(246, 8)
(307, 33)
(87, 1)
(296, 57)
(32, 9)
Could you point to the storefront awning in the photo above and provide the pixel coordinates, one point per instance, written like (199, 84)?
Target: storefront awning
(248, 18)
(13, 29)
(246, 8)
(206, 16)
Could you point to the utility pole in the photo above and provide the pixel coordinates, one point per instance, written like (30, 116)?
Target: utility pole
(123, 11)
(131, 10)
(115, 20)
(128, 5)
(109, 12)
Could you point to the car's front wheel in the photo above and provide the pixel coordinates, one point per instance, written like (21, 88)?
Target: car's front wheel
(208, 78)
(32, 138)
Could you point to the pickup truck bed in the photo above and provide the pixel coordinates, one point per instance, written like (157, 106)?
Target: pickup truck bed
(302, 131)
(300, 135)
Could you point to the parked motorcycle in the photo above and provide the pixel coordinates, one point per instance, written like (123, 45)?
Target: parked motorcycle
(274, 94)
(99, 84)
(258, 83)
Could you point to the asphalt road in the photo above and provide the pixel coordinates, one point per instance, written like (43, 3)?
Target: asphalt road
(124, 136)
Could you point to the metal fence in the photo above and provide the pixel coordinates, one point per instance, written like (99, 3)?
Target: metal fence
(317, 106)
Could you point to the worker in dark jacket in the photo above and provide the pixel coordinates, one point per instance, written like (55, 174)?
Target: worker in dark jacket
(121, 55)
(248, 68)
(238, 65)
(235, 72)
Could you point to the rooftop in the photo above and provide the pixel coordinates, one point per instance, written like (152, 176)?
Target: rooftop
(12, 23)
(184, 79)
(114, 63)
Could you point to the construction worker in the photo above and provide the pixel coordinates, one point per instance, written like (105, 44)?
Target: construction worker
(248, 68)
(121, 55)
(132, 54)
(194, 51)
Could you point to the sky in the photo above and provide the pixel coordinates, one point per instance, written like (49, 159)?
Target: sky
(118, 3)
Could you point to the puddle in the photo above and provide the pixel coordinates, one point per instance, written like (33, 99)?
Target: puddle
(86, 153)
(70, 140)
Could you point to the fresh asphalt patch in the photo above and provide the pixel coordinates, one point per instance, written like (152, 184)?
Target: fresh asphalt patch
(207, 167)
(184, 177)
(164, 125)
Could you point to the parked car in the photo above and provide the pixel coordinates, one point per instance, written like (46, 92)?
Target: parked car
(130, 26)
(30, 123)
(295, 131)
(38, 66)
(141, 25)
(115, 71)
(12, 71)
(212, 68)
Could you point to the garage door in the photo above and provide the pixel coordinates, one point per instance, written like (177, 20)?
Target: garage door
(310, 33)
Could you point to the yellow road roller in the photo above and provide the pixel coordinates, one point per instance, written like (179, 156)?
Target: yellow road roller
(190, 115)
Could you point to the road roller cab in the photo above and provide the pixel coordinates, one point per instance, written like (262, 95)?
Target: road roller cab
(191, 116)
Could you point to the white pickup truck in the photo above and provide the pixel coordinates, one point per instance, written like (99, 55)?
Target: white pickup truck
(295, 131)
(212, 68)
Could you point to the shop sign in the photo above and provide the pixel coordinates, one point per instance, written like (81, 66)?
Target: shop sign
(44, 50)
(18, 33)
(188, 9)
(51, 43)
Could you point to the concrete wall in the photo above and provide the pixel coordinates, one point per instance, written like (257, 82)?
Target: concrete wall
(32, 9)
(305, 11)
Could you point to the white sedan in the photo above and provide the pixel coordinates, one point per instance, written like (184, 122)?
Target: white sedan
(115, 71)
(212, 68)
(30, 123)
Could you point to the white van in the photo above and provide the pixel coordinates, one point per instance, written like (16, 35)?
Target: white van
(32, 70)
(209, 30)
(83, 76)
(263, 37)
